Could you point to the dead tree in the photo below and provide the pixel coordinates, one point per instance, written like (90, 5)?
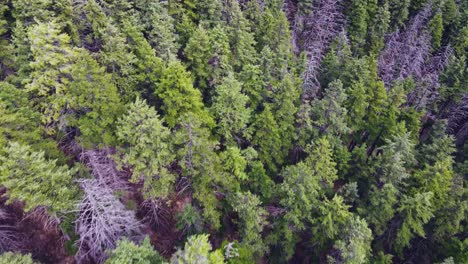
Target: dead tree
(408, 54)
(458, 121)
(103, 168)
(312, 34)
(102, 221)
(10, 239)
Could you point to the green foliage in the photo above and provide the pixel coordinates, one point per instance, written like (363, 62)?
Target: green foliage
(146, 148)
(15, 258)
(252, 219)
(177, 94)
(381, 207)
(230, 109)
(63, 83)
(20, 123)
(355, 242)
(415, 212)
(437, 27)
(198, 159)
(130, 253)
(197, 249)
(30, 177)
(189, 220)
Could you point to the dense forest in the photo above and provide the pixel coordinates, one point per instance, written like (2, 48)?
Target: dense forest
(233, 131)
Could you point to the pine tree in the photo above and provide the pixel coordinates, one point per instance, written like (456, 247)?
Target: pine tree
(147, 148)
(11, 257)
(128, 252)
(30, 177)
(176, 92)
(197, 249)
(198, 159)
(231, 111)
(415, 212)
(355, 242)
(381, 207)
(267, 139)
(63, 84)
(252, 219)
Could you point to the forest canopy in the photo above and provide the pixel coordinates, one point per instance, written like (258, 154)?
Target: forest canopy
(233, 131)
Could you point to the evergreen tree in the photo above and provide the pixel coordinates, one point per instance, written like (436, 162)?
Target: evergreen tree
(197, 249)
(231, 111)
(198, 159)
(147, 148)
(176, 92)
(251, 221)
(30, 177)
(267, 139)
(415, 212)
(127, 252)
(355, 242)
(63, 82)
(11, 257)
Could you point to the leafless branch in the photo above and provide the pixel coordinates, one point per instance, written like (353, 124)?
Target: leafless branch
(102, 221)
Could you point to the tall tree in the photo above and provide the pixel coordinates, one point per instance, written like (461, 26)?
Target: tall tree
(63, 84)
(146, 148)
(30, 177)
(231, 111)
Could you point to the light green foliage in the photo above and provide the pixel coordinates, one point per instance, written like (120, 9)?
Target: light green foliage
(399, 11)
(321, 162)
(189, 220)
(18, 122)
(381, 207)
(252, 219)
(267, 139)
(234, 163)
(436, 27)
(30, 177)
(398, 154)
(177, 94)
(355, 242)
(300, 191)
(197, 250)
(129, 253)
(198, 159)
(15, 258)
(230, 109)
(415, 212)
(333, 216)
(64, 81)
(147, 148)
(329, 113)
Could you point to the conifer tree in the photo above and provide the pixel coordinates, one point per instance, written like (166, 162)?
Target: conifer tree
(63, 82)
(251, 221)
(128, 252)
(198, 159)
(415, 212)
(30, 177)
(176, 92)
(267, 139)
(231, 111)
(355, 242)
(197, 249)
(147, 148)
